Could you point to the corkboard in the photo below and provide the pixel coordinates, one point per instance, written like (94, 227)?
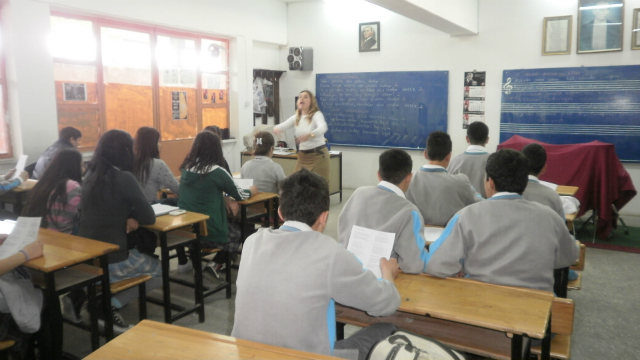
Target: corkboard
(174, 152)
(215, 116)
(85, 120)
(177, 129)
(128, 107)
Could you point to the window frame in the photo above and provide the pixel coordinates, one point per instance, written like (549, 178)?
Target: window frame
(3, 85)
(154, 32)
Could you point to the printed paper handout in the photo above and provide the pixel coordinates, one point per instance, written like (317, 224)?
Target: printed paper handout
(369, 246)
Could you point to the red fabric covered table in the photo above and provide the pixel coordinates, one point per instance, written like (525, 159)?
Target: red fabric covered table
(595, 168)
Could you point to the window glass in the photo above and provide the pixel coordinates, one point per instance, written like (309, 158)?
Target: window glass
(75, 83)
(213, 56)
(72, 39)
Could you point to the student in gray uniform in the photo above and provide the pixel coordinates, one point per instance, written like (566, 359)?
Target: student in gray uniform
(385, 208)
(290, 278)
(438, 194)
(535, 191)
(505, 240)
(266, 175)
(473, 161)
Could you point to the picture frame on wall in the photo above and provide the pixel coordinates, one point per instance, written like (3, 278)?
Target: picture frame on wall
(556, 35)
(74, 92)
(635, 37)
(369, 36)
(600, 25)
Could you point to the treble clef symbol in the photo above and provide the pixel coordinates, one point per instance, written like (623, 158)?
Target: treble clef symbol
(507, 86)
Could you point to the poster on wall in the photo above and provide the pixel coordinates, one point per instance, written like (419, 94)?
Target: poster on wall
(474, 92)
(179, 105)
(75, 92)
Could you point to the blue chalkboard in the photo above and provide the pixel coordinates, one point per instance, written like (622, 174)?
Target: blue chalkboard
(383, 109)
(574, 105)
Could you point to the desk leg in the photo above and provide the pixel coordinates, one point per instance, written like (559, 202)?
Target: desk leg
(561, 281)
(243, 221)
(93, 316)
(546, 343)
(55, 316)
(516, 347)
(339, 331)
(196, 261)
(276, 217)
(166, 289)
(18, 209)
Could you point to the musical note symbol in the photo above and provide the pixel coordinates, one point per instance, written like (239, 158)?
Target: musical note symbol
(507, 86)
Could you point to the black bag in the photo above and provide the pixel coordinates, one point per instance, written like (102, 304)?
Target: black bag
(142, 239)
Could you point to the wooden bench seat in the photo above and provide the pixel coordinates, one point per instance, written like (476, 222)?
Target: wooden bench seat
(579, 265)
(4, 345)
(575, 284)
(562, 313)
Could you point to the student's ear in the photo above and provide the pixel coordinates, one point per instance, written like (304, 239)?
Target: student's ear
(468, 141)
(407, 180)
(544, 170)
(280, 214)
(448, 158)
(379, 177)
(321, 222)
(486, 142)
(425, 154)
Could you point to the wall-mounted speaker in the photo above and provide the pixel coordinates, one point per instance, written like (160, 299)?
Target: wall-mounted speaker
(300, 58)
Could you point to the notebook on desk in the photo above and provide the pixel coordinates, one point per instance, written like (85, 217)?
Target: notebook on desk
(161, 209)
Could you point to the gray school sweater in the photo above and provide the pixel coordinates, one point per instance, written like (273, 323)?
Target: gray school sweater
(472, 164)
(288, 282)
(266, 175)
(160, 177)
(439, 195)
(505, 240)
(543, 195)
(385, 208)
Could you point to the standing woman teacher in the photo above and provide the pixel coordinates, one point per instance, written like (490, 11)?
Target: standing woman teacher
(310, 128)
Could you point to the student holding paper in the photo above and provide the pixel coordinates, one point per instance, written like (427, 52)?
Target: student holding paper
(7, 183)
(202, 187)
(290, 279)
(385, 208)
(266, 175)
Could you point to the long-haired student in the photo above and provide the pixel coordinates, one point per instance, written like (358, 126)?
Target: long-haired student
(203, 184)
(152, 173)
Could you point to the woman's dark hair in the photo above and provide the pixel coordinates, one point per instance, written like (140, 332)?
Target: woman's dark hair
(52, 186)
(214, 129)
(205, 152)
(145, 148)
(114, 150)
(263, 143)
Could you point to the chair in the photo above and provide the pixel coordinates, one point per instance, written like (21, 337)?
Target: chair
(4, 347)
(562, 313)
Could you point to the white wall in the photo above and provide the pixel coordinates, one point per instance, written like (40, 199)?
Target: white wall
(510, 37)
(30, 67)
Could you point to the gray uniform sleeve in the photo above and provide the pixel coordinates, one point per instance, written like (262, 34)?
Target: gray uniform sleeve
(446, 252)
(353, 286)
(166, 177)
(410, 245)
(141, 210)
(279, 176)
(568, 248)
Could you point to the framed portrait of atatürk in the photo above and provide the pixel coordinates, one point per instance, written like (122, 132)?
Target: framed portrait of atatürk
(635, 37)
(556, 35)
(369, 36)
(600, 25)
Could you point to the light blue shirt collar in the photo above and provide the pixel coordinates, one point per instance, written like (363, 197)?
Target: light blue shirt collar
(476, 149)
(534, 179)
(295, 226)
(505, 195)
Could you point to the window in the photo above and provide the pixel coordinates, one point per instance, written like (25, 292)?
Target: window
(6, 150)
(112, 75)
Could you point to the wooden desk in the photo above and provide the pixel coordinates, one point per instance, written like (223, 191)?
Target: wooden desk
(270, 201)
(19, 192)
(153, 340)
(567, 190)
(288, 163)
(476, 315)
(163, 225)
(61, 251)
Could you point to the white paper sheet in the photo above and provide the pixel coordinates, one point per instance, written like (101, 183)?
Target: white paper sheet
(432, 234)
(6, 226)
(369, 246)
(244, 183)
(25, 232)
(553, 186)
(22, 161)
(161, 209)
(334, 152)
(281, 152)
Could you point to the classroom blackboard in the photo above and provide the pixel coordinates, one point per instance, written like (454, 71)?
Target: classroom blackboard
(383, 109)
(574, 105)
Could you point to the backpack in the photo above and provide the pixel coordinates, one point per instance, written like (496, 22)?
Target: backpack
(402, 345)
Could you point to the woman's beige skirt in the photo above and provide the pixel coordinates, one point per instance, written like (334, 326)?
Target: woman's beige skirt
(315, 160)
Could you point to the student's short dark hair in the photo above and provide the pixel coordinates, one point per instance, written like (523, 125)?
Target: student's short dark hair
(263, 143)
(537, 157)
(438, 145)
(69, 133)
(394, 165)
(478, 132)
(304, 196)
(509, 170)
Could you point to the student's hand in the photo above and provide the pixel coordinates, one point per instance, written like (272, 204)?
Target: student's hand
(460, 274)
(9, 174)
(132, 224)
(253, 189)
(232, 205)
(34, 250)
(24, 175)
(389, 268)
(3, 237)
